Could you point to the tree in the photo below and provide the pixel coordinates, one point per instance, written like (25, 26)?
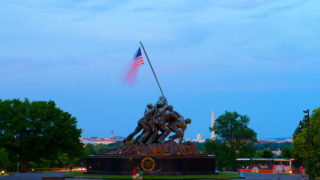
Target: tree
(35, 130)
(247, 151)
(271, 145)
(266, 153)
(288, 152)
(232, 128)
(300, 143)
(224, 156)
(4, 160)
(101, 148)
(234, 139)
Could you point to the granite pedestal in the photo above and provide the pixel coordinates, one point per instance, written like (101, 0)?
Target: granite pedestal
(151, 164)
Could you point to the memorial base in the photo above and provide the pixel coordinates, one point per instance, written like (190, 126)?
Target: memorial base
(151, 164)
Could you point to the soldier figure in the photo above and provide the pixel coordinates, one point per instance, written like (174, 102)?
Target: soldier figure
(148, 114)
(161, 117)
(162, 121)
(142, 124)
(160, 107)
(178, 126)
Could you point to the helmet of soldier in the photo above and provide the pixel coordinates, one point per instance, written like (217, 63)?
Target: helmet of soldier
(188, 121)
(149, 106)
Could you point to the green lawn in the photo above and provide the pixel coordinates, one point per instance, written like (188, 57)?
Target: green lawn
(82, 175)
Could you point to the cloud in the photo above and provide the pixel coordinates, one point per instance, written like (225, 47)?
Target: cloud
(272, 5)
(242, 4)
(281, 8)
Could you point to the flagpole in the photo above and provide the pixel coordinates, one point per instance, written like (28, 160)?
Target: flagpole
(151, 68)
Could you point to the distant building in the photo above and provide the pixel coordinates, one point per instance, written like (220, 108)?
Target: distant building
(212, 125)
(198, 139)
(100, 140)
(112, 135)
(277, 152)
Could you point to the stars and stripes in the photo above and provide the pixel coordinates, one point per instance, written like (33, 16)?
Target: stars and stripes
(136, 63)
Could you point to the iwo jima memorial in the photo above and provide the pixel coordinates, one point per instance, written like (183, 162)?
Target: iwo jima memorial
(149, 151)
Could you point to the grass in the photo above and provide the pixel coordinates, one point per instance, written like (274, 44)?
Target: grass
(82, 175)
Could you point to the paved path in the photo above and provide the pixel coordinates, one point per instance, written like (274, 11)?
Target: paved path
(248, 176)
(260, 176)
(31, 176)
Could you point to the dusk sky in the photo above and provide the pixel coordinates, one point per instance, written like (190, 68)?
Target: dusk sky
(260, 58)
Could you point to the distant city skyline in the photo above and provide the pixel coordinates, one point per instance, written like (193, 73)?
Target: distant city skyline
(196, 137)
(112, 139)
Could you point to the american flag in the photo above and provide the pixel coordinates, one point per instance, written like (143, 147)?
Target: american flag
(137, 61)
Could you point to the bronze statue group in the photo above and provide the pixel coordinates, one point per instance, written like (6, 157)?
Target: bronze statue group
(159, 118)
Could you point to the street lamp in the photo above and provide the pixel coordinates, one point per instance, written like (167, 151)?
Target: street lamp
(300, 125)
(307, 120)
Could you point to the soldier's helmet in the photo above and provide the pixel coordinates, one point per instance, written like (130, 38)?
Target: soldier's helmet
(162, 97)
(149, 106)
(188, 121)
(162, 101)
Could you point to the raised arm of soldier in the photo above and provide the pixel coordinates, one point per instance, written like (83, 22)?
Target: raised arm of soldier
(178, 114)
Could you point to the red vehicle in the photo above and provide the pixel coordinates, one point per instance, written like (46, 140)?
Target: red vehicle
(265, 165)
